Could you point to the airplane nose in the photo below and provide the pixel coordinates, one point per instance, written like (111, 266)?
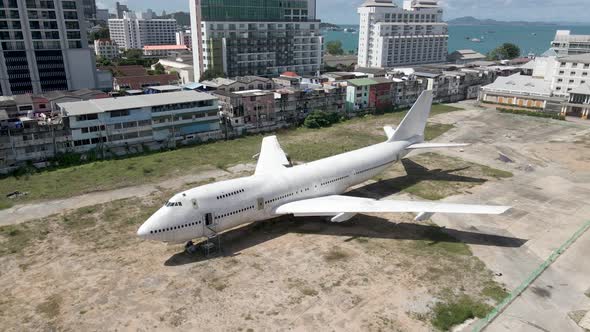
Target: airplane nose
(143, 231)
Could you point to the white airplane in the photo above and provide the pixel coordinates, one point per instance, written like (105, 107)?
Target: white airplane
(312, 189)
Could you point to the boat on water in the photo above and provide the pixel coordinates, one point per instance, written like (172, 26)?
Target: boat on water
(476, 40)
(349, 30)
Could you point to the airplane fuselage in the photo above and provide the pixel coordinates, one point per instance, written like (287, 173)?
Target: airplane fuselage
(214, 208)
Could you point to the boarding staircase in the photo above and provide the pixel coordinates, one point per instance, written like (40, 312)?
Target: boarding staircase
(213, 243)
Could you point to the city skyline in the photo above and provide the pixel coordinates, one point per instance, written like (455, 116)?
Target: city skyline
(344, 11)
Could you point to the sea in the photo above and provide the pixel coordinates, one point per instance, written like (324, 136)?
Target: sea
(532, 39)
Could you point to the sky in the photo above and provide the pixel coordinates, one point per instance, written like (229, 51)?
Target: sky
(344, 11)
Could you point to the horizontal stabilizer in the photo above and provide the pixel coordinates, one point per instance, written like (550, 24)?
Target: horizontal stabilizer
(423, 216)
(389, 131)
(436, 146)
(335, 205)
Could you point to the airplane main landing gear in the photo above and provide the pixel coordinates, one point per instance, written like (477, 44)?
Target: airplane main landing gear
(190, 247)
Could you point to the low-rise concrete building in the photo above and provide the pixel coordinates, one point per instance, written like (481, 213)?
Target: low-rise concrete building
(106, 49)
(161, 51)
(369, 94)
(241, 83)
(30, 139)
(184, 37)
(293, 105)
(248, 110)
(182, 64)
(461, 57)
(144, 81)
(115, 125)
(520, 91)
(578, 102)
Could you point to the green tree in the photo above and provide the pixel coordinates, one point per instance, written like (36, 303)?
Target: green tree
(320, 119)
(133, 54)
(103, 61)
(505, 51)
(159, 69)
(210, 74)
(334, 47)
(103, 33)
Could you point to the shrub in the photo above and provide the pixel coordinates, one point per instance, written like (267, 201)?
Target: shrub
(538, 114)
(447, 315)
(320, 119)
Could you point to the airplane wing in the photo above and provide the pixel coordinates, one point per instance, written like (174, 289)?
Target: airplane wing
(335, 205)
(435, 145)
(271, 157)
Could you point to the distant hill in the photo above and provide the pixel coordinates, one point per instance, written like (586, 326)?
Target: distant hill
(470, 20)
(182, 18)
(328, 25)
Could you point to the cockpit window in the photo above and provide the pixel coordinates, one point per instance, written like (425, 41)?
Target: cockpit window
(169, 204)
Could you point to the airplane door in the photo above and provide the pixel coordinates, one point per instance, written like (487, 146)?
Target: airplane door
(260, 203)
(208, 219)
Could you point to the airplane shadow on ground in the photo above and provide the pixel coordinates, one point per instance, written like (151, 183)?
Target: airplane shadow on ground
(361, 226)
(415, 173)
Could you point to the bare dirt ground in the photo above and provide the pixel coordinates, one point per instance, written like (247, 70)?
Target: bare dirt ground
(86, 270)
(549, 192)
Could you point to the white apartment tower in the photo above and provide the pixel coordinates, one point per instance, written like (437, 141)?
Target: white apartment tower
(567, 44)
(131, 32)
(265, 38)
(391, 36)
(43, 47)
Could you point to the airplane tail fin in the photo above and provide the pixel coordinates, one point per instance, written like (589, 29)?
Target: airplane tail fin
(413, 125)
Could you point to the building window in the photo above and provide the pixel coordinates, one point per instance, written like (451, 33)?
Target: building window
(87, 117)
(116, 114)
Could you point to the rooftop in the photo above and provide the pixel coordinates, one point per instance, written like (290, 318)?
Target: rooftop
(373, 71)
(137, 82)
(368, 81)
(289, 74)
(583, 89)
(583, 58)
(467, 54)
(521, 84)
(219, 81)
(427, 74)
(165, 47)
(164, 88)
(253, 92)
(379, 3)
(251, 78)
(564, 35)
(122, 103)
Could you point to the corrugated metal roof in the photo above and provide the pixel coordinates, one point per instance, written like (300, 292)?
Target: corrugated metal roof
(362, 81)
(122, 103)
(522, 84)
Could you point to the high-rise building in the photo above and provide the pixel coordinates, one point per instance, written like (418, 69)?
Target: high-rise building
(184, 37)
(44, 47)
(120, 9)
(89, 10)
(568, 44)
(264, 38)
(391, 36)
(131, 32)
(102, 15)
